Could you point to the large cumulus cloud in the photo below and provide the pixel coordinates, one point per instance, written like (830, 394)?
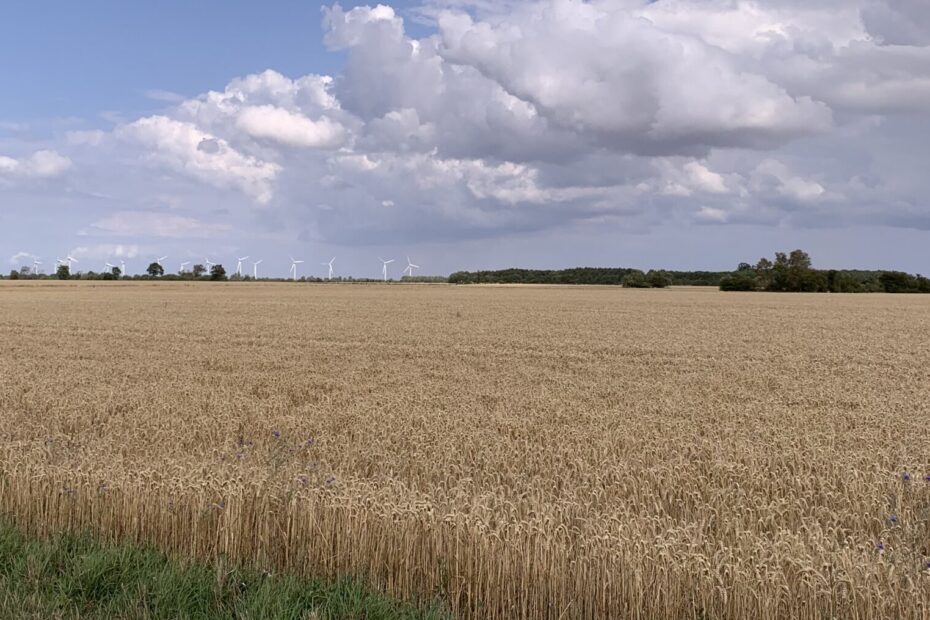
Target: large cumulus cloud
(536, 115)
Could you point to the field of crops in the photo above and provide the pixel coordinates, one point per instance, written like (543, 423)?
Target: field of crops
(520, 452)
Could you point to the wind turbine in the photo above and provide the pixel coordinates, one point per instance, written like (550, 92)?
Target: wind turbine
(158, 261)
(384, 264)
(108, 266)
(410, 268)
(255, 268)
(183, 265)
(35, 266)
(294, 264)
(122, 265)
(330, 265)
(239, 265)
(209, 263)
(71, 259)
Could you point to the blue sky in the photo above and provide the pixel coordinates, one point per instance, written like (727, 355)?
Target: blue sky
(67, 59)
(466, 133)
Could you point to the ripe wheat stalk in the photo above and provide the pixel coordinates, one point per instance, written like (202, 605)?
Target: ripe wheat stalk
(523, 452)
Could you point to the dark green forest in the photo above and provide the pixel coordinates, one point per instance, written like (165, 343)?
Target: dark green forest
(791, 272)
(794, 272)
(633, 278)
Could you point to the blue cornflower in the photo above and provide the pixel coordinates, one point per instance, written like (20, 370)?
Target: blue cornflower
(276, 434)
(906, 477)
(893, 518)
(880, 546)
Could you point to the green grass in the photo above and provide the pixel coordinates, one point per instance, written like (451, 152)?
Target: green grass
(74, 577)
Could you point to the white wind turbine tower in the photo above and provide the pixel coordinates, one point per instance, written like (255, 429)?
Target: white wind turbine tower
(384, 264)
(410, 268)
(255, 268)
(294, 264)
(122, 265)
(183, 265)
(330, 265)
(35, 266)
(209, 263)
(69, 260)
(239, 265)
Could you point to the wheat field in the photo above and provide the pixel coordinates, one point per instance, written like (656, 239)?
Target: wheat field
(518, 452)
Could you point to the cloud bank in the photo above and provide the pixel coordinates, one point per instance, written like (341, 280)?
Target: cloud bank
(518, 117)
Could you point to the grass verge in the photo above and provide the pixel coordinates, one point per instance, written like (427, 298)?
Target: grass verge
(75, 577)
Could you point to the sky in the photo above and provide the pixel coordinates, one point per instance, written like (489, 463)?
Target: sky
(465, 134)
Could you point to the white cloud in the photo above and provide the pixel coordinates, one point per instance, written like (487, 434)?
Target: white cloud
(272, 123)
(523, 116)
(711, 215)
(22, 258)
(151, 224)
(105, 251)
(93, 137)
(157, 94)
(186, 149)
(599, 69)
(43, 164)
(787, 183)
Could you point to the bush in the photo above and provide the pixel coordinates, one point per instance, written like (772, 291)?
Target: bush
(658, 278)
(636, 279)
(739, 281)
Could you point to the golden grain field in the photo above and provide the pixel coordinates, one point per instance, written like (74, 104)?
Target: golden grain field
(522, 452)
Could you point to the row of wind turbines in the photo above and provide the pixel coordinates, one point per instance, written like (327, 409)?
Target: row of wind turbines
(69, 260)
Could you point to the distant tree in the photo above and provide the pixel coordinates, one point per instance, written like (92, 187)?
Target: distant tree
(799, 259)
(14, 275)
(26, 272)
(764, 273)
(63, 272)
(217, 272)
(199, 270)
(658, 278)
(744, 267)
(636, 279)
(740, 280)
(116, 272)
(155, 270)
(898, 282)
(923, 284)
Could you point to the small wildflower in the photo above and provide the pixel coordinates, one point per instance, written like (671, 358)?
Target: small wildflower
(330, 481)
(309, 442)
(880, 546)
(893, 518)
(906, 477)
(276, 434)
(302, 480)
(927, 477)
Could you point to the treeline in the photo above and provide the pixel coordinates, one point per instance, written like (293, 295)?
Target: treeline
(793, 272)
(199, 273)
(620, 276)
